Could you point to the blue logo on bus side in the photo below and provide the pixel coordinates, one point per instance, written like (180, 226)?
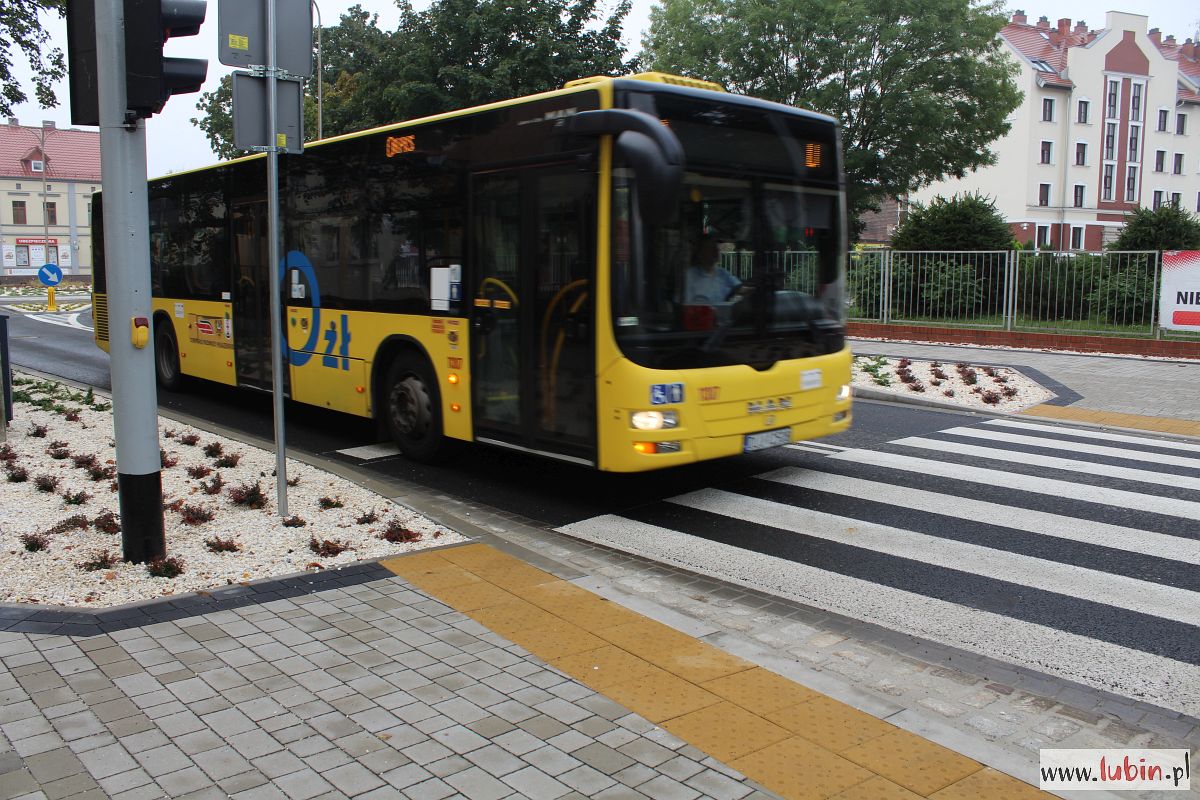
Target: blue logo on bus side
(662, 394)
(298, 261)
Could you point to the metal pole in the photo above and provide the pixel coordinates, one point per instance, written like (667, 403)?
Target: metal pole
(277, 365)
(127, 256)
(320, 109)
(50, 306)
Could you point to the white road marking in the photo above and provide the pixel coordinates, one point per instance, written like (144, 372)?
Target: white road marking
(370, 451)
(1100, 534)
(1065, 464)
(1170, 506)
(64, 320)
(1155, 679)
(1075, 447)
(1086, 433)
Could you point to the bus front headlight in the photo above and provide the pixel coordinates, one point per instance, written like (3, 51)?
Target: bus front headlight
(654, 420)
(844, 392)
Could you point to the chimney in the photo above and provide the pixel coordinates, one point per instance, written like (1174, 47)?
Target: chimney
(1170, 41)
(1155, 35)
(13, 121)
(1019, 17)
(1080, 28)
(1043, 22)
(1188, 49)
(1064, 26)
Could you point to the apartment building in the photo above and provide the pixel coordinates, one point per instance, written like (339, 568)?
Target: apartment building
(1110, 122)
(47, 177)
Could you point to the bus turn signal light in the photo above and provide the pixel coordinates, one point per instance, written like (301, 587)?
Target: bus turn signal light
(452, 378)
(455, 407)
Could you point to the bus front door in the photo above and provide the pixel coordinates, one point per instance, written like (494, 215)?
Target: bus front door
(532, 338)
(251, 296)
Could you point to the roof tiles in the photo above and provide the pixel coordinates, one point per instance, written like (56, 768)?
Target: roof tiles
(71, 154)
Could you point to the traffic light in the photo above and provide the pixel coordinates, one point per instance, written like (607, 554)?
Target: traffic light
(151, 78)
(81, 62)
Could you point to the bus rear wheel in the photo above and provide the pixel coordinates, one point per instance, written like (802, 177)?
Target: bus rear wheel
(412, 408)
(166, 357)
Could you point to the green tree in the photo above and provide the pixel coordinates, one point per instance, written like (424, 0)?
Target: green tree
(962, 222)
(454, 54)
(921, 87)
(1165, 228)
(20, 25)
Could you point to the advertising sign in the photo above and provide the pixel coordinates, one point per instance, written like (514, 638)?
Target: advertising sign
(1179, 306)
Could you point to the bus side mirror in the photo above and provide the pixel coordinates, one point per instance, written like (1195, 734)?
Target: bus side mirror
(651, 147)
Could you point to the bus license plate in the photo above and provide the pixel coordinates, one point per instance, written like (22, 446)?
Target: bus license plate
(761, 441)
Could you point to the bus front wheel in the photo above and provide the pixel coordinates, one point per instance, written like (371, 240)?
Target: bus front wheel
(413, 411)
(166, 357)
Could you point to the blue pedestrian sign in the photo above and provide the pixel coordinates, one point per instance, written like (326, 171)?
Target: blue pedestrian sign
(50, 275)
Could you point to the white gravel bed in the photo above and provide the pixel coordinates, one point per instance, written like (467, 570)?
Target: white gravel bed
(1004, 389)
(267, 548)
(1047, 350)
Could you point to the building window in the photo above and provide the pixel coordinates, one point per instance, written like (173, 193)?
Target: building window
(1044, 194)
(1160, 160)
(1131, 185)
(1082, 116)
(1080, 154)
(89, 212)
(1043, 236)
(1135, 102)
(1178, 170)
(1079, 190)
(18, 212)
(1163, 116)
(1157, 199)
(1076, 238)
(1176, 199)
(1107, 184)
(1135, 137)
(51, 213)
(1181, 124)
(1110, 141)
(1047, 109)
(1046, 152)
(1198, 202)
(1110, 103)
(37, 166)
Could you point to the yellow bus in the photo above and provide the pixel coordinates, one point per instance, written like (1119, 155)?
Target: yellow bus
(627, 273)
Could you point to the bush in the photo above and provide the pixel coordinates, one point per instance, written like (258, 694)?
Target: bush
(102, 560)
(218, 545)
(34, 542)
(169, 567)
(108, 522)
(1163, 228)
(962, 222)
(195, 515)
(1123, 298)
(249, 495)
(326, 548)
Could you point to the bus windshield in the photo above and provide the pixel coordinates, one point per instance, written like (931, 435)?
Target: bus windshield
(749, 271)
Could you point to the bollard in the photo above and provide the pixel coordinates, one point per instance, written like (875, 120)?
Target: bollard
(50, 304)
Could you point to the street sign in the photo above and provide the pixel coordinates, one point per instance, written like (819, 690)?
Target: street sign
(242, 35)
(50, 275)
(250, 127)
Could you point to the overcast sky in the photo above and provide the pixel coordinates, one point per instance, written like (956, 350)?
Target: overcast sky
(174, 143)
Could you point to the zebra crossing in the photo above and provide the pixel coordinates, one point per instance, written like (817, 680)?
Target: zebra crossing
(1067, 550)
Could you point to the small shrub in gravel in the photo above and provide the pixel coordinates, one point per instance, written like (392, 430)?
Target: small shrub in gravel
(195, 515)
(38, 431)
(169, 567)
(294, 522)
(34, 542)
(16, 474)
(169, 433)
(46, 483)
(327, 503)
(102, 560)
(990, 397)
(949, 393)
(78, 522)
(903, 363)
(367, 518)
(229, 460)
(99, 473)
(71, 416)
(214, 485)
(326, 548)
(199, 471)
(219, 545)
(167, 459)
(7, 454)
(58, 453)
(989, 371)
(213, 449)
(293, 481)
(249, 495)
(107, 522)
(939, 374)
(189, 439)
(1009, 391)
(397, 533)
(916, 386)
(75, 498)
(84, 461)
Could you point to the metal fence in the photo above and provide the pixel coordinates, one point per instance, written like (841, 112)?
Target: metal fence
(1109, 292)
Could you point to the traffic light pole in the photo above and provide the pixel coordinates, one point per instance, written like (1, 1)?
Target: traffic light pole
(277, 331)
(127, 263)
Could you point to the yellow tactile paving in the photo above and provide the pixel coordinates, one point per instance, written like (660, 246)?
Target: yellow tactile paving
(1116, 419)
(726, 731)
(661, 696)
(557, 640)
(987, 784)
(880, 789)
(801, 770)
(604, 667)
(760, 690)
(914, 763)
(791, 739)
(833, 725)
